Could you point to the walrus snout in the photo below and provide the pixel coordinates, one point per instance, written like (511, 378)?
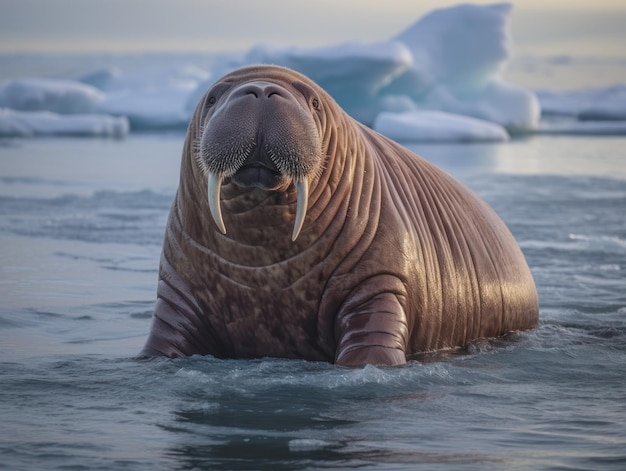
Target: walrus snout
(261, 134)
(261, 115)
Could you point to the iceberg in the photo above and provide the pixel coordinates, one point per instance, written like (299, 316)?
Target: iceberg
(46, 123)
(461, 47)
(449, 60)
(437, 126)
(155, 98)
(352, 73)
(150, 108)
(110, 79)
(458, 55)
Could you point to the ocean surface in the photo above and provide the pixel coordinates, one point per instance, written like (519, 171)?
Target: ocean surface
(81, 225)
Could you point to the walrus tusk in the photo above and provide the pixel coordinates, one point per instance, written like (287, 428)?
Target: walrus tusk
(302, 193)
(214, 187)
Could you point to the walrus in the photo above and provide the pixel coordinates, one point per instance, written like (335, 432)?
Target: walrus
(297, 232)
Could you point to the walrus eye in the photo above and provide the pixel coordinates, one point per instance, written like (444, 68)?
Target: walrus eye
(212, 101)
(315, 103)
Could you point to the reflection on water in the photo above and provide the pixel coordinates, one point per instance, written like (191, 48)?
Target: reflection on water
(531, 156)
(288, 415)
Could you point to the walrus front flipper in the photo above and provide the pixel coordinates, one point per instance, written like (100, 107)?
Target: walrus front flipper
(177, 323)
(166, 338)
(372, 330)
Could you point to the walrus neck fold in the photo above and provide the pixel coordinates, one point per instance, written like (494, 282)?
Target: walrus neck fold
(214, 187)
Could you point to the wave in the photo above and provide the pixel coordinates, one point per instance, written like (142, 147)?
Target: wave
(138, 217)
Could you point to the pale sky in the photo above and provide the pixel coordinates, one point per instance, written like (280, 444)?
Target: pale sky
(543, 27)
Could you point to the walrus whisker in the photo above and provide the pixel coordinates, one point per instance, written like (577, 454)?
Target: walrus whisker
(302, 193)
(214, 188)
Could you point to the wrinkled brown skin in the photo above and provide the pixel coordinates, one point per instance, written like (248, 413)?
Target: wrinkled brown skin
(395, 257)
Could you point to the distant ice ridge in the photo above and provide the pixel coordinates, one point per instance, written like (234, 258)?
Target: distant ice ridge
(50, 107)
(437, 81)
(46, 123)
(56, 95)
(593, 104)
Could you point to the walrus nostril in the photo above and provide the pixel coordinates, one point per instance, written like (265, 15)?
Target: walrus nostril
(247, 89)
(272, 90)
(260, 89)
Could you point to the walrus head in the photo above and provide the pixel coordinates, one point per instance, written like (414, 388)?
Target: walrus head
(261, 131)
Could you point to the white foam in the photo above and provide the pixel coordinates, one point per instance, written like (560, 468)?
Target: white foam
(307, 444)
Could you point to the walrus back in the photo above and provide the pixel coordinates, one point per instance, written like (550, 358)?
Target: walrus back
(473, 279)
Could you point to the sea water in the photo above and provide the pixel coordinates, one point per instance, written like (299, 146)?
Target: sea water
(81, 225)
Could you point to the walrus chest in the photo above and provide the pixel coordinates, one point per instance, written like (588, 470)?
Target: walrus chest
(264, 318)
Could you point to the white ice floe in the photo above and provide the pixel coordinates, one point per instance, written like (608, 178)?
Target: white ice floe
(437, 126)
(43, 94)
(46, 123)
